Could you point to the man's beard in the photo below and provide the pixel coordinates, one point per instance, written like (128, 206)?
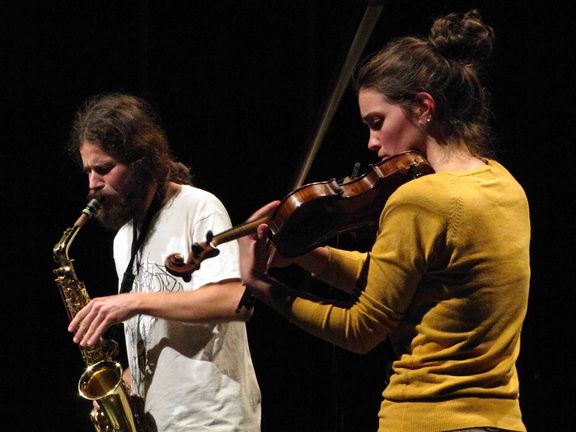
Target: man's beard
(122, 207)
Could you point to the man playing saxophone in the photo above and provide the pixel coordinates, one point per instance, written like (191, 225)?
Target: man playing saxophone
(186, 343)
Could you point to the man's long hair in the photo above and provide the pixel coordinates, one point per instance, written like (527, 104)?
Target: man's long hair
(127, 128)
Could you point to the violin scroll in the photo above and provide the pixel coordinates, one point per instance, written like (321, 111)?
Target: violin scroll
(177, 266)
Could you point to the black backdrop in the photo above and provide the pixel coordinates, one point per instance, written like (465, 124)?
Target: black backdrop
(240, 85)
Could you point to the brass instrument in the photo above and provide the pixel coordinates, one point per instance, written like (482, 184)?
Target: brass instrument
(102, 380)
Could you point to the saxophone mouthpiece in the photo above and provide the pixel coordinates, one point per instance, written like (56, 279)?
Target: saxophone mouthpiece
(92, 208)
(88, 212)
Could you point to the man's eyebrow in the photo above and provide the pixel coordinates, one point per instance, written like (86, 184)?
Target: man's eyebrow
(97, 164)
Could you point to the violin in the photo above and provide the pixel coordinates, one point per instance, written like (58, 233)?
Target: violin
(315, 204)
(316, 212)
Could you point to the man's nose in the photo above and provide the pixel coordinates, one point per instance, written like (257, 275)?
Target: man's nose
(95, 181)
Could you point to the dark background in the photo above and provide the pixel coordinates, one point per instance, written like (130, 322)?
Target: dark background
(240, 86)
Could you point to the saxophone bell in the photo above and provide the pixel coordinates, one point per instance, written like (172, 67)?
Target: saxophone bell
(102, 382)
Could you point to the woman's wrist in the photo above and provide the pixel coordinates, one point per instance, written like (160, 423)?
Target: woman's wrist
(315, 261)
(272, 292)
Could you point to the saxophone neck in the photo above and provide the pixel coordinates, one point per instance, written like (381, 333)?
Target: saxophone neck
(60, 250)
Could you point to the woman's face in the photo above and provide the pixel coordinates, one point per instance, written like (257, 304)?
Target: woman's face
(392, 130)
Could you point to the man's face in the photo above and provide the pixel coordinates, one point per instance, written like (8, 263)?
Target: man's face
(113, 182)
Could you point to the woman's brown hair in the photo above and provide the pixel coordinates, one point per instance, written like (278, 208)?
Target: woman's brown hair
(447, 65)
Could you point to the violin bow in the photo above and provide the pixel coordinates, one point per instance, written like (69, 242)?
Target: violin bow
(363, 33)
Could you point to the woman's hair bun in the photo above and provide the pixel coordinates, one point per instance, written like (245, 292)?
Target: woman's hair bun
(462, 37)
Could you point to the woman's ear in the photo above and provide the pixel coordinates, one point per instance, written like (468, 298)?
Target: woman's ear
(424, 108)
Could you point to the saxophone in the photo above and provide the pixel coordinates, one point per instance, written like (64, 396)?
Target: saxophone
(102, 380)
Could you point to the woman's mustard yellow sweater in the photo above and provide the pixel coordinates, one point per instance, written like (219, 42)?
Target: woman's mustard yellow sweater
(447, 281)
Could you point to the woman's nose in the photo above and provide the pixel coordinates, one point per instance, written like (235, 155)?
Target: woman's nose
(373, 142)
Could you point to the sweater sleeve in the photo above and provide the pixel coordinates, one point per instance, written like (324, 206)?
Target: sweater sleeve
(344, 269)
(410, 232)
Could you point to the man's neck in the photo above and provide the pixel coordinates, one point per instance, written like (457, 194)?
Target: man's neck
(170, 190)
(147, 202)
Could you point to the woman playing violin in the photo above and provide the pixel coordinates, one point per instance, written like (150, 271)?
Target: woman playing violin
(447, 277)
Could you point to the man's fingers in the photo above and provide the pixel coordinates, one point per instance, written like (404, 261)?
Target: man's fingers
(78, 318)
(92, 333)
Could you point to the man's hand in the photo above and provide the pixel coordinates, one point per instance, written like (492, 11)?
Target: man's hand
(91, 322)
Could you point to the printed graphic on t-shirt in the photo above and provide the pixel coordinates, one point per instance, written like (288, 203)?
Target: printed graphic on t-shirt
(137, 331)
(152, 277)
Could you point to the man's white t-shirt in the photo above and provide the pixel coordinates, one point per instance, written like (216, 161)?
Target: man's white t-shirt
(193, 377)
